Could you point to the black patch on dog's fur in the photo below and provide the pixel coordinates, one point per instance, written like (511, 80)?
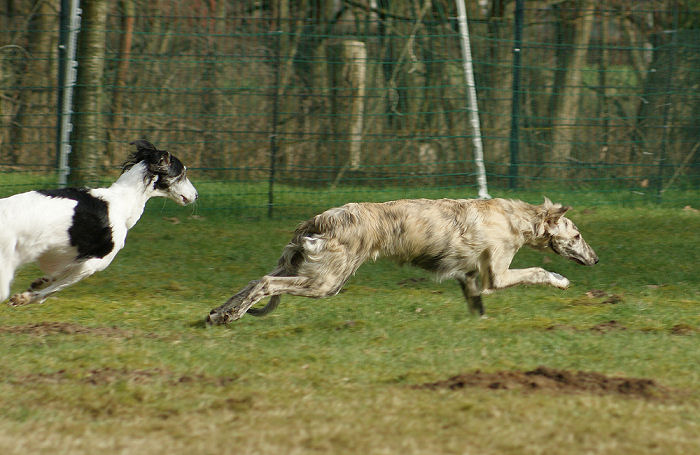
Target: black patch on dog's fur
(90, 232)
(429, 262)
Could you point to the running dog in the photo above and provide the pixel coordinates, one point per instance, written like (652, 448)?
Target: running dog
(74, 232)
(470, 240)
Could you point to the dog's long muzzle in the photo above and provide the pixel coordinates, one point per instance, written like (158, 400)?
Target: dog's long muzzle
(587, 258)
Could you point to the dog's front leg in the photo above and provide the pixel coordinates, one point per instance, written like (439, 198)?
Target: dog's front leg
(472, 292)
(532, 275)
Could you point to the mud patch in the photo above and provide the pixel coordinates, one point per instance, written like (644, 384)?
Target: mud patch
(108, 376)
(546, 379)
(605, 327)
(597, 297)
(683, 329)
(64, 328)
(410, 282)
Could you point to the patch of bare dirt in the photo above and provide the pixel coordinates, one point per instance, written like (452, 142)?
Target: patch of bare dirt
(66, 328)
(566, 328)
(683, 329)
(613, 325)
(409, 282)
(597, 297)
(603, 327)
(546, 379)
(107, 376)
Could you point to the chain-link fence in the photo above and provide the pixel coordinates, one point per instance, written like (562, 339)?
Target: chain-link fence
(305, 102)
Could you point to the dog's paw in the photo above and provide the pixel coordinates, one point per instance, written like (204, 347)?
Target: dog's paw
(20, 299)
(559, 281)
(216, 318)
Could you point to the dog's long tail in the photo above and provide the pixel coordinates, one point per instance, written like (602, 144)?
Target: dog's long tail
(269, 308)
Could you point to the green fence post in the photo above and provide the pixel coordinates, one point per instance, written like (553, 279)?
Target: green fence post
(275, 115)
(667, 102)
(515, 108)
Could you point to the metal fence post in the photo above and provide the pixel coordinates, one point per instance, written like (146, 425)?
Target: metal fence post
(667, 103)
(66, 81)
(62, 61)
(275, 115)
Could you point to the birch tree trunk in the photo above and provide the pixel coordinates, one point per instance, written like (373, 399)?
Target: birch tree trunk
(88, 133)
(564, 125)
(347, 70)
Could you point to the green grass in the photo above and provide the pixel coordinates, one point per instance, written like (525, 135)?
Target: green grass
(250, 198)
(140, 374)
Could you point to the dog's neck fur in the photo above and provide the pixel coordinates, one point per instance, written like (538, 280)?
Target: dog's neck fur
(129, 194)
(527, 220)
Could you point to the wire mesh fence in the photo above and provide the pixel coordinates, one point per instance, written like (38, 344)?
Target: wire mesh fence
(305, 104)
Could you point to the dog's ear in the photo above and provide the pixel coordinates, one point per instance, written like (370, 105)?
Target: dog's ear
(549, 216)
(554, 212)
(161, 164)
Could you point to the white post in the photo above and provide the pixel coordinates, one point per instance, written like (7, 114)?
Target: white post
(473, 104)
(71, 72)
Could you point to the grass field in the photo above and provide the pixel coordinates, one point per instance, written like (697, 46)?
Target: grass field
(121, 362)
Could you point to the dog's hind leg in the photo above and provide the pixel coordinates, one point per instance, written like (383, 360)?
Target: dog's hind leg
(269, 308)
(472, 292)
(42, 288)
(40, 283)
(270, 286)
(27, 296)
(283, 270)
(223, 314)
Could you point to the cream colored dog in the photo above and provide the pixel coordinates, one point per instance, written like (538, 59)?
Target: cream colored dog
(470, 240)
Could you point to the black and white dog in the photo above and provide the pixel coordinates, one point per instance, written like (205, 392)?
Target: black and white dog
(74, 232)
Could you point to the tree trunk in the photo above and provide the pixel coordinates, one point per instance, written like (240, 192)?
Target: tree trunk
(347, 70)
(497, 113)
(116, 127)
(88, 134)
(34, 114)
(564, 132)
